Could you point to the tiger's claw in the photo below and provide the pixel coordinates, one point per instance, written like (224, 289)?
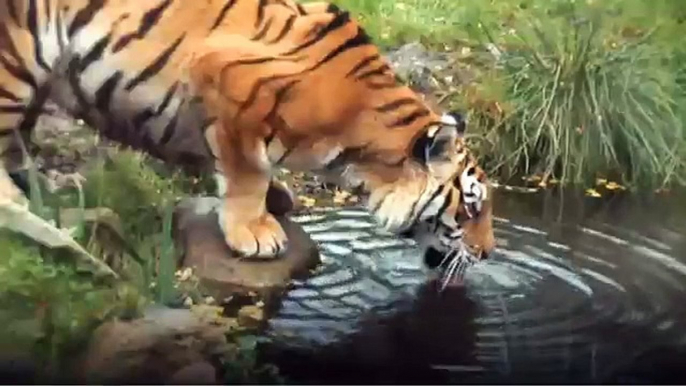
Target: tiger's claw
(262, 238)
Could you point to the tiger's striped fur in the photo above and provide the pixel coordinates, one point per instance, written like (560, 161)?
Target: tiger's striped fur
(239, 87)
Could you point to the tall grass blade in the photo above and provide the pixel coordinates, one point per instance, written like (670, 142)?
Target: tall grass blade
(167, 262)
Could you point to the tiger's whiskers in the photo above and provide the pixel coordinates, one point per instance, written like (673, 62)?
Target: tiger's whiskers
(458, 261)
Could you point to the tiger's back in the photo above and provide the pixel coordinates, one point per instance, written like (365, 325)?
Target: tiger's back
(237, 86)
(120, 66)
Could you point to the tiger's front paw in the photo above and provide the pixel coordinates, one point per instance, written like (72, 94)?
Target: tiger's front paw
(262, 238)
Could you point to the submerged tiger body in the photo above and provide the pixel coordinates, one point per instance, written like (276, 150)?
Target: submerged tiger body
(237, 87)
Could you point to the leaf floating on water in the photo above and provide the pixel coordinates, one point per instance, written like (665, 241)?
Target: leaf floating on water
(614, 186)
(600, 181)
(517, 189)
(592, 192)
(288, 334)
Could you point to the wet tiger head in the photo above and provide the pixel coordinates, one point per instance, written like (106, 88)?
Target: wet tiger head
(457, 214)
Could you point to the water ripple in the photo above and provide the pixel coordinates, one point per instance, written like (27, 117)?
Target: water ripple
(554, 308)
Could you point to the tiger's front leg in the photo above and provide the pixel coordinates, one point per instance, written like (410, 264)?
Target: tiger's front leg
(249, 229)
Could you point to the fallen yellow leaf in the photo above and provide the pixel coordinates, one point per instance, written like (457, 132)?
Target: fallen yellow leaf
(340, 196)
(207, 310)
(592, 192)
(185, 274)
(307, 202)
(613, 186)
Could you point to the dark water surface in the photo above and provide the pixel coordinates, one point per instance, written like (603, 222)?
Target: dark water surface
(581, 290)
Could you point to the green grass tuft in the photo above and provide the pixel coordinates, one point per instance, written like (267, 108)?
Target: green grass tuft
(584, 103)
(582, 89)
(126, 184)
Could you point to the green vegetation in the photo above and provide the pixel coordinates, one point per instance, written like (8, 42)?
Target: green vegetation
(133, 234)
(49, 308)
(50, 302)
(565, 89)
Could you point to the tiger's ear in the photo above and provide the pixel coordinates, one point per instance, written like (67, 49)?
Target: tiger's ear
(435, 144)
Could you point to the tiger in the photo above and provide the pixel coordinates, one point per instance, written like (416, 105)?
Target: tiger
(237, 89)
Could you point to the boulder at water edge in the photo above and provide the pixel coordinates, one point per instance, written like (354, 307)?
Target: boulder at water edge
(221, 272)
(171, 346)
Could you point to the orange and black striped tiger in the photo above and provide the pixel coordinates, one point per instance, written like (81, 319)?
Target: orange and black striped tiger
(238, 87)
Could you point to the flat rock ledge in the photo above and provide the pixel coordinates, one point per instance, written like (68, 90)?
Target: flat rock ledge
(224, 275)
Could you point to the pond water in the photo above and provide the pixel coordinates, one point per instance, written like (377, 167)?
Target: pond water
(580, 290)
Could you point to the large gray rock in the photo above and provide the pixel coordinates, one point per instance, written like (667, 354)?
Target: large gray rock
(222, 273)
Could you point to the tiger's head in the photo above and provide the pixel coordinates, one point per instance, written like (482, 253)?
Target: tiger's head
(458, 210)
(433, 191)
(413, 165)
